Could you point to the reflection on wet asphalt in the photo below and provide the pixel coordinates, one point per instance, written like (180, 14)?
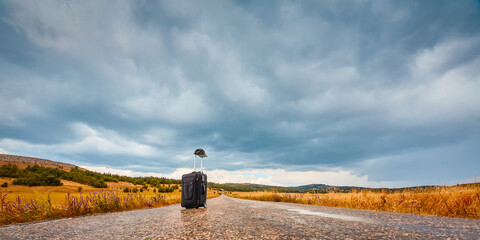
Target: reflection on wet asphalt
(229, 218)
(328, 215)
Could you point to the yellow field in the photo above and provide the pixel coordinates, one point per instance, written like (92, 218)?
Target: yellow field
(57, 194)
(455, 201)
(51, 202)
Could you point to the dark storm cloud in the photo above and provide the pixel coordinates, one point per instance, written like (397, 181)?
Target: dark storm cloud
(298, 85)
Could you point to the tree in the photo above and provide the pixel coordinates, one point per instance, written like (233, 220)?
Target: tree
(99, 184)
(10, 170)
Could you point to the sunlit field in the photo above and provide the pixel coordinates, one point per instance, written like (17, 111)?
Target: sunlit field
(24, 204)
(461, 201)
(57, 194)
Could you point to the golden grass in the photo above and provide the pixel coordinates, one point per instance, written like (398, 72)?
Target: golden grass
(456, 201)
(23, 204)
(57, 193)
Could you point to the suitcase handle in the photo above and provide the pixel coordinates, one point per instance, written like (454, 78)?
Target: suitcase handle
(195, 163)
(200, 153)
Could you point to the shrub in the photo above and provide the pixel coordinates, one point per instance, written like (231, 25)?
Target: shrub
(10, 170)
(134, 190)
(38, 180)
(126, 190)
(110, 179)
(80, 189)
(99, 184)
(52, 181)
(167, 189)
(5, 184)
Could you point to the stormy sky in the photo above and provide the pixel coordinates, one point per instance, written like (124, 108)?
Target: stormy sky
(364, 93)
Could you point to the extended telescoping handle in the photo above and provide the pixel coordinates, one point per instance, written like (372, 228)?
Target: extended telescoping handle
(195, 163)
(201, 154)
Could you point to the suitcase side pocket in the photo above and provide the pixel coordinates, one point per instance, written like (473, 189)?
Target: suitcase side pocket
(189, 188)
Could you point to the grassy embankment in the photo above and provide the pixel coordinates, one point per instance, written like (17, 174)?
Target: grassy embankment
(461, 201)
(19, 203)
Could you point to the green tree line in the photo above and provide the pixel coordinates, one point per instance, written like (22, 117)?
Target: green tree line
(47, 176)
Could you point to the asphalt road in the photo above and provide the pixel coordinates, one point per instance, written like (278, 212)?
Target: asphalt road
(229, 218)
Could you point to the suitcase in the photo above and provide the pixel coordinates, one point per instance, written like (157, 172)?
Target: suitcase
(194, 185)
(194, 190)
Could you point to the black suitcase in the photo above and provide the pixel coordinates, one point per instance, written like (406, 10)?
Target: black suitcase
(194, 185)
(194, 190)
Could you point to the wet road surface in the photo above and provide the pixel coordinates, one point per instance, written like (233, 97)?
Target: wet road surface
(230, 218)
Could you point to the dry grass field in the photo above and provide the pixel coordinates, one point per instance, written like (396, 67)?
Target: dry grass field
(461, 201)
(57, 193)
(24, 204)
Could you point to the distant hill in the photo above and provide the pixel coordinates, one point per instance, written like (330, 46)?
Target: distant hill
(23, 162)
(316, 188)
(324, 187)
(311, 186)
(249, 187)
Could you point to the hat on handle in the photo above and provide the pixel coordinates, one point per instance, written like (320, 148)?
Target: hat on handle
(200, 152)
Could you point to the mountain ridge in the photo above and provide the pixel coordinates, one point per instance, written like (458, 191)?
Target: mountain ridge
(314, 188)
(24, 161)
